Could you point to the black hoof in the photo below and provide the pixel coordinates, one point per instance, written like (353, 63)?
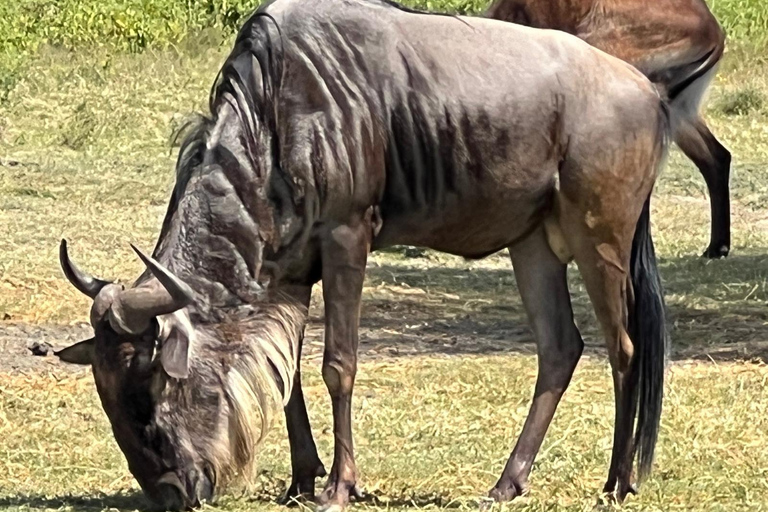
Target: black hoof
(617, 497)
(716, 251)
(302, 488)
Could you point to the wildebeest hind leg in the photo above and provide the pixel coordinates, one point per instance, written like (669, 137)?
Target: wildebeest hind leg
(601, 248)
(305, 462)
(714, 162)
(344, 253)
(541, 278)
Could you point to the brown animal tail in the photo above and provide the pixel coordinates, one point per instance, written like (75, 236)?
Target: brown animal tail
(647, 329)
(703, 65)
(691, 72)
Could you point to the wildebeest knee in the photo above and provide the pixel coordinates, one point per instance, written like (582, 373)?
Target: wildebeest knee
(338, 379)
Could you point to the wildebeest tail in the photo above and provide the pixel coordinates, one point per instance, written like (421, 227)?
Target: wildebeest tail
(647, 329)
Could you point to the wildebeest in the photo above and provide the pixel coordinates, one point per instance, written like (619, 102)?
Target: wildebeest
(341, 126)
(677, 44)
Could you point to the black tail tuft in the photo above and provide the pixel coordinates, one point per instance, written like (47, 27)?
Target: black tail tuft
(647, 329)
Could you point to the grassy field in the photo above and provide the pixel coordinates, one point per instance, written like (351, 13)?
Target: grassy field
(431, 433)
(448, 369)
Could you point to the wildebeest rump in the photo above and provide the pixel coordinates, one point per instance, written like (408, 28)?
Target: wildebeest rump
(341, 126)
(675, 43)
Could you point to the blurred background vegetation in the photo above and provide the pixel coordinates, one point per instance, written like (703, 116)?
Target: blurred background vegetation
(135, 25)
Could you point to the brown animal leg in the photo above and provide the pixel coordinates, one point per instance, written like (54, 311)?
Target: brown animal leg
(602, 252)
(305, 462)
(714, 163)
(344, 253)
(541, 278)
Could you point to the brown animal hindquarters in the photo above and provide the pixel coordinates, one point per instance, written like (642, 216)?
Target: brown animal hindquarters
(677, 44)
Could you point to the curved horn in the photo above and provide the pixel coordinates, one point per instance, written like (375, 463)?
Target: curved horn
(86, 283)
(137, 306)
(181, 293)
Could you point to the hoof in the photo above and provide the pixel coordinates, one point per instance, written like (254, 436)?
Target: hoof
(332, 507)
(336, 496)
(501, 494)
(302, 488)
(616, 497)
(715, 252)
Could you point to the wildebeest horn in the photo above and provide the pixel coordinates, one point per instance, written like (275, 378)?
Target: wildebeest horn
(137, 306)
(87, 284)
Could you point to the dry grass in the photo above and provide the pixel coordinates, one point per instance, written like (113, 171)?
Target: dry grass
(431, 432)
(84, 154)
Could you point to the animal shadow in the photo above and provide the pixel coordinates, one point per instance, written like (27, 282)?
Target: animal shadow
(121, 501)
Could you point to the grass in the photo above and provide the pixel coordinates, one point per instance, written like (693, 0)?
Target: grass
(85, 154)
(741, 102)
(431, 433)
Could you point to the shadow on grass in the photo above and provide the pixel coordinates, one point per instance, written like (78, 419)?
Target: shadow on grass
(716, 310)
(121, 501)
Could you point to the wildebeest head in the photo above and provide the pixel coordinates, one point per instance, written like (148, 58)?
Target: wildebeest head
(168, 421)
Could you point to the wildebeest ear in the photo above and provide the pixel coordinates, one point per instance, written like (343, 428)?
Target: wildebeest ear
(174, 354)
(79, 353)
(175, 337)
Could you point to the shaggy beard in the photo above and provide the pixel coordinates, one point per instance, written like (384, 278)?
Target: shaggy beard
(259, 348)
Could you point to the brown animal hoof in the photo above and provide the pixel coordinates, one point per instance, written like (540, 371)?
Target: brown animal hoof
(716, 251)
(508, 492)
(336, 495)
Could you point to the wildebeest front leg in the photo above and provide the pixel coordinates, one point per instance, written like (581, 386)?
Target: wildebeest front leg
(344, 254)
(305, 462)
(541, 278)
(714, 162)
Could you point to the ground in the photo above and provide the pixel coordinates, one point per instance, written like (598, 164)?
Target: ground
(448, 361)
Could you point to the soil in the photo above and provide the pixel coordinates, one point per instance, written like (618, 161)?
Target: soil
(387, 330)
(377, 339)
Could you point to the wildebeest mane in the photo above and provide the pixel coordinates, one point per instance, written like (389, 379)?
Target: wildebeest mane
(411, 10)
(261, 349)
(254, 108)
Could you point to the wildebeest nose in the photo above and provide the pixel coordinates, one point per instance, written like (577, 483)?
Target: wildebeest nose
(199, 486)
(186, 492)
(172, 494)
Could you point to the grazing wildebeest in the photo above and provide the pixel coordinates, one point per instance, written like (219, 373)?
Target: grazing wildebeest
(677, 44)
(342, 126)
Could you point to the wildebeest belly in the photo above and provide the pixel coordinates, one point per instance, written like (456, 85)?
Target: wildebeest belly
(465, 177)
(472, 225)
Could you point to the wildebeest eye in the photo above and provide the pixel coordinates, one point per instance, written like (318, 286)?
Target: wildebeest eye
(141, 361)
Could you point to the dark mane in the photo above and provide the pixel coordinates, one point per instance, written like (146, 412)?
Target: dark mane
(411, 10)
(235, 86)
